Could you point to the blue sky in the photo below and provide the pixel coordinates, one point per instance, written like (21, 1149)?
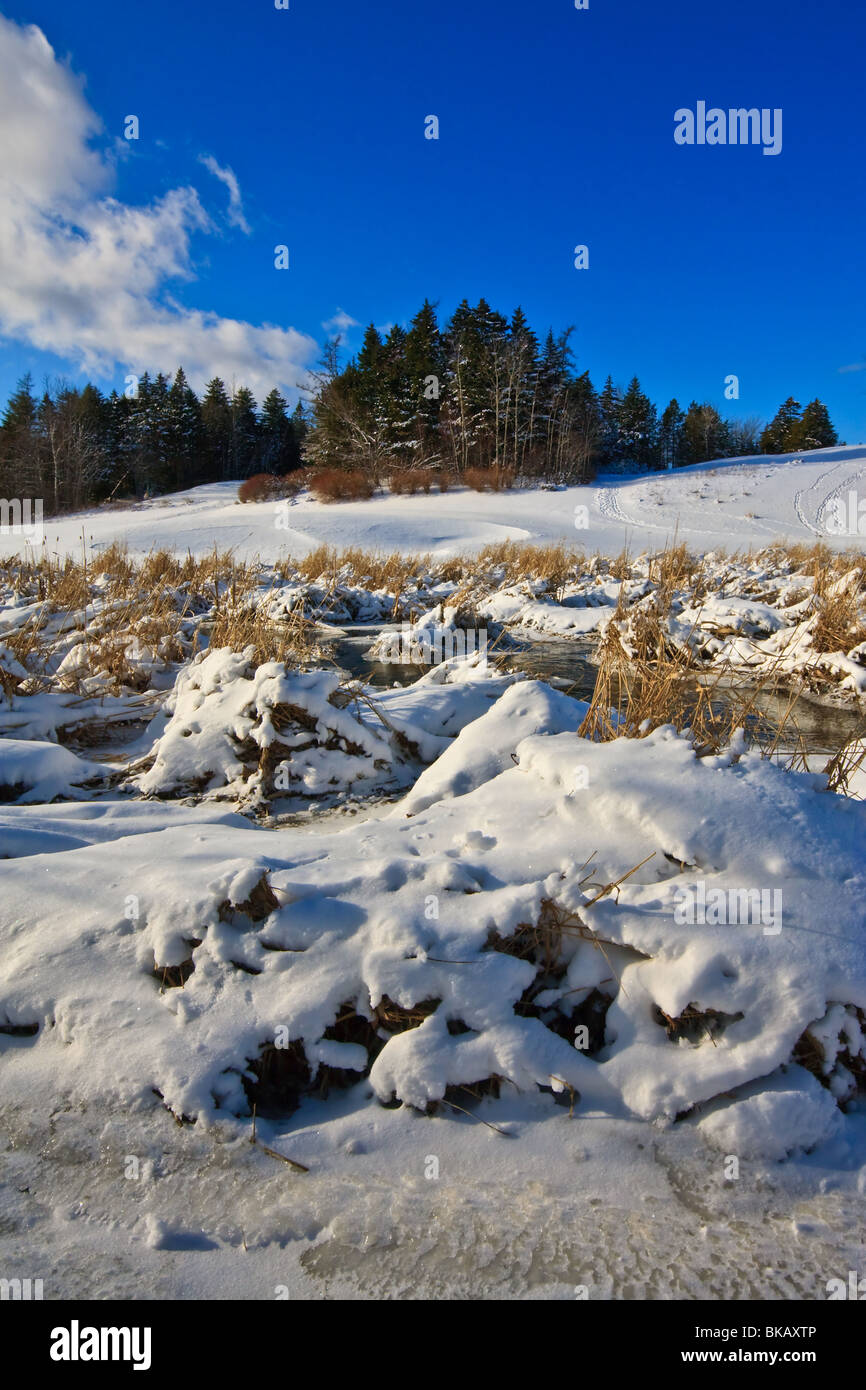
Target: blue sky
(556, 128)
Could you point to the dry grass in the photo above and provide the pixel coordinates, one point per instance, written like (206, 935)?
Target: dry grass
(841, 621)
(638, 692)
(242, 624)
(556, 563)
(121, 608)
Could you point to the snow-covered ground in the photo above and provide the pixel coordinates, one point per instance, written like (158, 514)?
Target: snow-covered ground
(732, 503)
(538, 1016)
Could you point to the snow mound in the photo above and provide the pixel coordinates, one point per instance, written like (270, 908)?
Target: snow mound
(42, 771)
(771, 1119)
(249, 732)
(570, 918)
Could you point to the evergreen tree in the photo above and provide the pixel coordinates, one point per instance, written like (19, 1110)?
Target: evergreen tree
(637, 420)
(780, 435)
(277, 447)
(216, 417)
(670, 441)
(244, 433)
(184, 431)
(814, 429)
(425, 373)
(20, 443)
(608, 409)
(705, 434)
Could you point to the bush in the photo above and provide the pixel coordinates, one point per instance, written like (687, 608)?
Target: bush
(261, 487)
(340, 485)
(482, 479)
(411, 480)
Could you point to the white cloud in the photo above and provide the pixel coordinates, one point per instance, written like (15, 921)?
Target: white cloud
(229, 178)
(340, 323)
(87, 277)
(854, 367)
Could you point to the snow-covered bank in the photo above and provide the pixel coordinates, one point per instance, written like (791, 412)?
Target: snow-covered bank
(743, 502)
(517, 1018)
(474, 893)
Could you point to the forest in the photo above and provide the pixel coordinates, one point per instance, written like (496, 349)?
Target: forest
(484, 391)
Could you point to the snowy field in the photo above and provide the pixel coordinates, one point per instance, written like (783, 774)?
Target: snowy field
(523, 1011)
(730, 503)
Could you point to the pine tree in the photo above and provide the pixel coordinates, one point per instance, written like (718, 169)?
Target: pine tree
(184, 431)
(425, 372)
(638, 425)
(814, 429)
(670, 441)
(244, 433)
(781, 434)
(216, 416)
(277, 436)
(20, 443)
(704, 434)
(608, 408)
(520, 390)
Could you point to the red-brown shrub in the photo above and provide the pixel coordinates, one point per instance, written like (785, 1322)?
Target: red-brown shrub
(411, 480)
(340, 485)
(261, 487)
(482, 479)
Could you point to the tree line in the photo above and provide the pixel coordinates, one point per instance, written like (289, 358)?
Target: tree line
(486, 392)
(483, 392)
(73, 447)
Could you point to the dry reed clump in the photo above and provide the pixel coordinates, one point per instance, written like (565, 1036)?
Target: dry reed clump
(642, 690)
(556, 563)
(671, 570)
(844, 1070)
(242, 624)
(840, 624)
(392, 572)
(129, 615)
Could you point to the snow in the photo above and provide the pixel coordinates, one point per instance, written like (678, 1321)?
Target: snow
(742, 502)
(42, 771)
(423, 890)
(786, 1112)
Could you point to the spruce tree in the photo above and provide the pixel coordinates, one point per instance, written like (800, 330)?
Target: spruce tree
(637, 421)
(608, 409)
(670, 440)
(780, 436)
(276, 434)
(216, 416)
(184, 442)
(814, 430)
(244, 433)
